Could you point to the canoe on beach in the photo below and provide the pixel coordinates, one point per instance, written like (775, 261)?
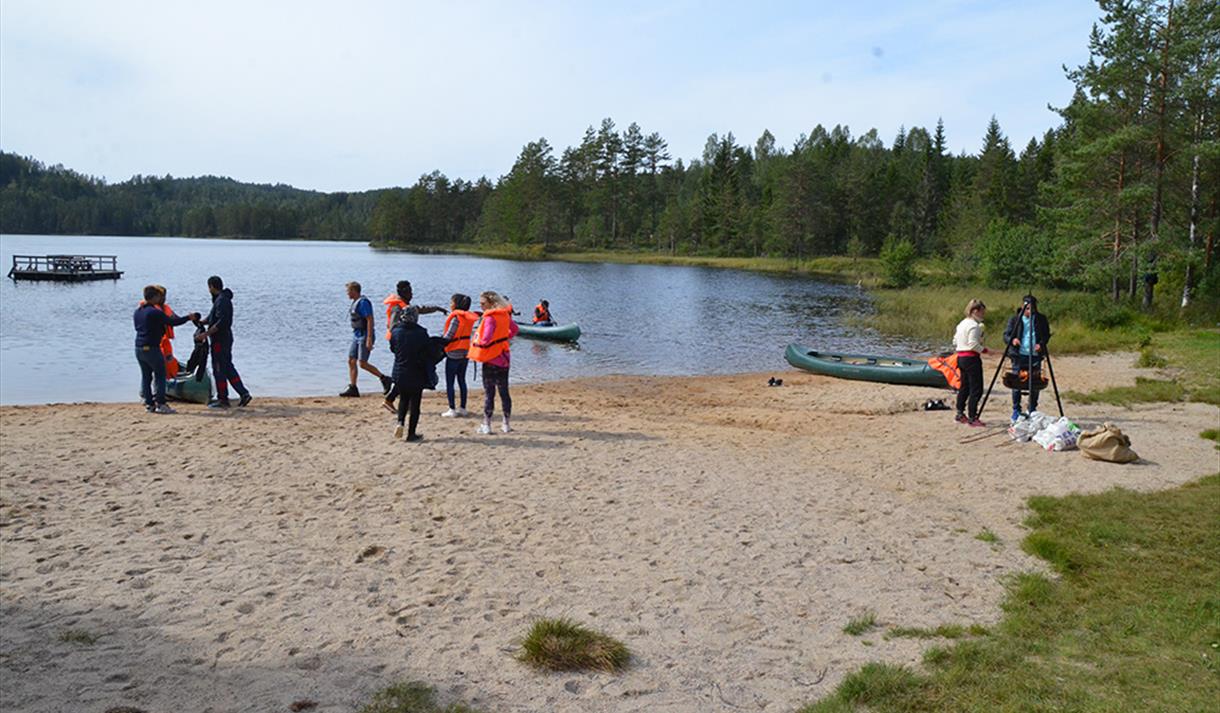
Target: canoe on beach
(557, 333)
(865, 367)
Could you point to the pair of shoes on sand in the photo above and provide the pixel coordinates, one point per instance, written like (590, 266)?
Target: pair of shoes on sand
(455, 413)
(485, 428)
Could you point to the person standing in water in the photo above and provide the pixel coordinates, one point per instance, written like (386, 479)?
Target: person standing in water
(152, 320)
(360, 313)
(458, 327)
(490, 347)
(968, 341)
(219, 332)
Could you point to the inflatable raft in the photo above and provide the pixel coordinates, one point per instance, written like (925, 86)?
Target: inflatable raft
(865, 367)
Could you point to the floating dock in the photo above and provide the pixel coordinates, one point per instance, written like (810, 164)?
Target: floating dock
(65, 268)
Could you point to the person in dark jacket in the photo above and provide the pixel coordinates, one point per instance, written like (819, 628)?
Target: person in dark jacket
(1026, 336)
(413, 371)
(220, 334)
(150, 323)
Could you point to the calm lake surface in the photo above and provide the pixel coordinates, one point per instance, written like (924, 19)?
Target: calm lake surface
(74, 342)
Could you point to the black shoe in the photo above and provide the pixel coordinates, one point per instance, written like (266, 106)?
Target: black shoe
(351, 392)
(386, 384)
(245, 400)
(414, 438)
(217, 403)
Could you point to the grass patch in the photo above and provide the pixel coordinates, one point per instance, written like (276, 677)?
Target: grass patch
(1132, 623)
(564, 645)
(412, 697)
(861, 624)
(944, 631)
(79, 636)
(1144, 391)
(1151, 360)
(988, 536)
(1212, 434)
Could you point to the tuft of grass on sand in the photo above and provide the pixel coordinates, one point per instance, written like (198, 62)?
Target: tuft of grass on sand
(564, 645)
(79, 636)
(986, 535)
(1212, 434)
(411, 697)
(1144, 391)
(944, 631)
(861, 624)
(1151, 360)
(1132, 622)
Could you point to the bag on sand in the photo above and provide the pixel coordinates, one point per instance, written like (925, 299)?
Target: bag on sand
(1107, 443)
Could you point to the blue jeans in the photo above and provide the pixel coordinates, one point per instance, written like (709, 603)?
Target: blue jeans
(455, 369)
(152, 375)
(1022, 361)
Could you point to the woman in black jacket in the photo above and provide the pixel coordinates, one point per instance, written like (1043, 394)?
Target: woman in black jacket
(412, 371)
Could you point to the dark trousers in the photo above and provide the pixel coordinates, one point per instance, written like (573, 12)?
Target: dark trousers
(152, 375)
(409, 400)
(455, 370)
(495, 378)
(224, 372)
(1019, 362)
(972, 385)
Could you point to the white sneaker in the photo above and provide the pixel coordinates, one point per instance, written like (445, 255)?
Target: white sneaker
(398, 431)
(463, 412)
(506, 428)
(484, 429)
(164, 409)
(449, 414)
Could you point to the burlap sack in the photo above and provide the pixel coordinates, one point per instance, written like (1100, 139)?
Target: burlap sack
(1107, 443)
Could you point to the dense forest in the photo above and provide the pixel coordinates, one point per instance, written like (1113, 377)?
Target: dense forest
(1121, 196)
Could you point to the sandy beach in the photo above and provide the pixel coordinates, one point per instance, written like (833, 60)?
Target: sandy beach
(726, 531)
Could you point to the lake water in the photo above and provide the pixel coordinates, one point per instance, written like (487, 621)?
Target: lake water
(73, 342)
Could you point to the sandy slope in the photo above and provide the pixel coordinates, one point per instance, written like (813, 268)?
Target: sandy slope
(725, 530)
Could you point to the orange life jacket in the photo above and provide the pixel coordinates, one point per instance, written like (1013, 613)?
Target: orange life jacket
(461, 338)
(542, 314)
(498, 344)
(391, 302)
(947, 365)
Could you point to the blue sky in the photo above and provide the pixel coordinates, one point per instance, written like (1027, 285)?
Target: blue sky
(359, 95)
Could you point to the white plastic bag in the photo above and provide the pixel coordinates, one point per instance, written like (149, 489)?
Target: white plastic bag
(1026, 427)
(1058, 435)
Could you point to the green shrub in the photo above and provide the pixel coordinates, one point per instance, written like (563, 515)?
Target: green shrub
(1012, 255)
(564, 645)
(898, 262)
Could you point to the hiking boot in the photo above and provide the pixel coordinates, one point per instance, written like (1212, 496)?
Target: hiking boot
(351, 392)
(164, 409)
(386, 384)
(398, 431)
(976, 424)
(449, 414)
(217, 403)
(960, 418)
(245, 400)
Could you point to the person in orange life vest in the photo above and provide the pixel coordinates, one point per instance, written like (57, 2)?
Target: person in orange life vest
(489, 346)
(167, 346)
(150, 322)
(360, 314)
(397, 306)
(542, 315)
(458, 327)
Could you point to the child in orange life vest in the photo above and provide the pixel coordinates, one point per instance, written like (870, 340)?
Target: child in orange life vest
(458, 328)
(490, 347)
(542, 315)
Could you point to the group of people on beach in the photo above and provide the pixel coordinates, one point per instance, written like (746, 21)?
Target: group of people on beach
(483, 336)
(1025, 340)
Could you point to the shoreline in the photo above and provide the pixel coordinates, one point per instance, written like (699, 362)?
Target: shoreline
(725, 530)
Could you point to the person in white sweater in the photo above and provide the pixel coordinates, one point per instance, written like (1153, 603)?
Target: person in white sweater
(968, 342)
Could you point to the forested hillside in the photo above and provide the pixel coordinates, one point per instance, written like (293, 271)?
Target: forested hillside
(1121, 196)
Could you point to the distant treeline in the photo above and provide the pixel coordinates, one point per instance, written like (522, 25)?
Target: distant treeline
(1121, 196)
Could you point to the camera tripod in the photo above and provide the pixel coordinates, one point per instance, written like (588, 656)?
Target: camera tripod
(1046, 355)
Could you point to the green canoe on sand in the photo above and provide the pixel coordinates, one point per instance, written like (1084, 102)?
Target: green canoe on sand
(558, 333)
(863, 367)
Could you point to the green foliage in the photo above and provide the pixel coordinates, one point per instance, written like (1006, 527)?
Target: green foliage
(944, 631)
(861, 624)
(412, 697)
(1144, 391)
(1150, 359)
(564, 645)
(79, 636)
(1016, 256)
(1130, 624)
(898, 263)
(986, 535)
